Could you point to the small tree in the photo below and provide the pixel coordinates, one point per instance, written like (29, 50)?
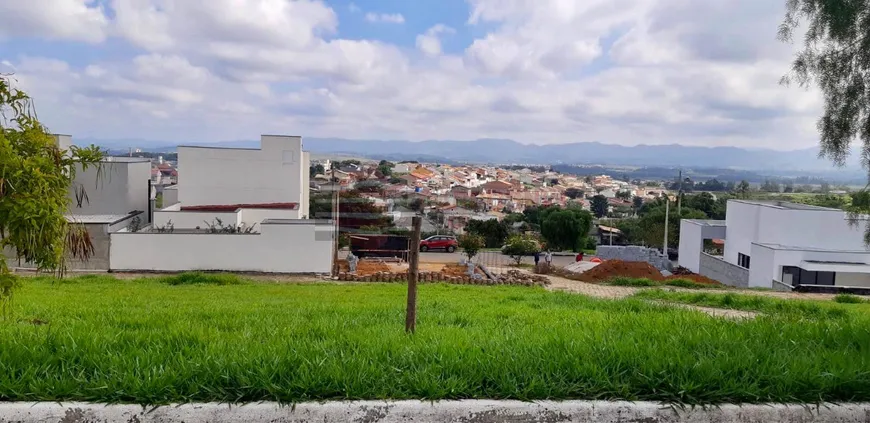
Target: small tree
(35, 177)
(471, 244)
(519, 246)
(599, 205)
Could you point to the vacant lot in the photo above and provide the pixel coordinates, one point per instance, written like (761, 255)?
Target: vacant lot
(174, 340)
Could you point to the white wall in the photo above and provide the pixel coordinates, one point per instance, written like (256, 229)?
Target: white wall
(852, 279)
(279, 248)
(271, 174)
(170, 195)
(767, 263)
(192, 219)
(823, 229)
(253, 217)
(306, 181)
(119, 187)
(691, 243)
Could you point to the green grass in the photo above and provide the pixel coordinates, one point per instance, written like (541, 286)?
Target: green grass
(194, 278)
(849, 299)
(801, 309)
(643, 282)
(144, 341)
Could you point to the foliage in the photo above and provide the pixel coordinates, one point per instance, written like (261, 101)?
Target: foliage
(354, 210)
(492, 231)
(168, 228)
(519, 246)
(742, 189)
(623, 195)
(135, 224)
(417, 205)
(316, 169)
(217, 226)
(471, 244)
(566, 229)
(35, 180)
(369, 186)
(472, 205)
(514, 218)
(535, 214)
(574, 193)
(599, 206)
(386, 168)
(144, 342)
(636, 203)
(770, 185)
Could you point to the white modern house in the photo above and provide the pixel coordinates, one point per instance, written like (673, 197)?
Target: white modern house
(780, 245)
(237, 210)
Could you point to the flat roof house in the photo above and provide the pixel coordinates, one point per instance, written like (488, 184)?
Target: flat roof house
(781, 245)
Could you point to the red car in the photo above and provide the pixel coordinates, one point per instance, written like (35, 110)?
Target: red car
(439, 242)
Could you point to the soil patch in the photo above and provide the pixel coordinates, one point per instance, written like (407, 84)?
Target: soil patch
(365, 267)
(618, 268)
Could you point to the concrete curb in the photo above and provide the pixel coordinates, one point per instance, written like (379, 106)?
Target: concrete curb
(466, 411)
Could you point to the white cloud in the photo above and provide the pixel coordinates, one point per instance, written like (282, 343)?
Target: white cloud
(429, 42)
(622, 71)
(79, 20)
(396, 18)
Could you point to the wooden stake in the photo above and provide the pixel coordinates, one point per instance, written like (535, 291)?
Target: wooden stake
(413, 272)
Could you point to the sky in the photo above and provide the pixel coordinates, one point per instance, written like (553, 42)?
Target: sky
(536, 71)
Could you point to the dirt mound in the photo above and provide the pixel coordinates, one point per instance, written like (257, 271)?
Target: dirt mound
(616, 268)
(680, 270)
(455, 269)
(694, 277)
(365, 267)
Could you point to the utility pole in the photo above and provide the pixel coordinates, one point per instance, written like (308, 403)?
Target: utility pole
(667, 211)
(336, 233)
(413, 271)
(680, 196)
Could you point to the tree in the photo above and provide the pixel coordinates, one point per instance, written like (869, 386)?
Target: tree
(355, 211)
(519, 246)
(770, 186)
(317, 169)
(599, 206)
(493, 232)
(623, 195)
(35, 180)
(564, 229)
(386, 168)
(574, 193)
(637, 203)
(471, 244)
(417, 205)
(742, 189)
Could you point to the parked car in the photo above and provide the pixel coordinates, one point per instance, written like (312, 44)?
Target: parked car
(439, 242)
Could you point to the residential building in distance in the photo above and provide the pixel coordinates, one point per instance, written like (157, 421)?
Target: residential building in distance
(780, 245)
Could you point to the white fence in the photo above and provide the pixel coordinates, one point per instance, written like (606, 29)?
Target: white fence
(282, 246)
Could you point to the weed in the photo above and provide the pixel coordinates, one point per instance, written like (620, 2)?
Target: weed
(200, 278)
(690, 284)
(849, 299)
(622, 281)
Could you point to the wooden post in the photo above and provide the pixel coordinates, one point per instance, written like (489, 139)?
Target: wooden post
(413, 272)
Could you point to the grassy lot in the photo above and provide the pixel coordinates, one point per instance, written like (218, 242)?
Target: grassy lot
(647, 283)
(174, 340)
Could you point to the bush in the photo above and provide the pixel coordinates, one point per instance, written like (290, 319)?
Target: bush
(471, 244)
(199, 278)
(848, 299)
(519, 246)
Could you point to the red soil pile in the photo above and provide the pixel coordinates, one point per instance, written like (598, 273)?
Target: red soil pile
(616, 268)
(458, 270)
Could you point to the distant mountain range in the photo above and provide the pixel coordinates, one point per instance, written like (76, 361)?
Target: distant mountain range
(503, 151)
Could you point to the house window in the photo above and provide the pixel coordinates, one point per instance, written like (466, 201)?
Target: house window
(796, 276)
(743, 260)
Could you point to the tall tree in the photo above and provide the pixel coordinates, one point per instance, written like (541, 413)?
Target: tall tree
(742, 189)
(599, 205)
(35, 178)
(565, 229)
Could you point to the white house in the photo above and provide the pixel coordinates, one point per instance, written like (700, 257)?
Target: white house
(772, 244)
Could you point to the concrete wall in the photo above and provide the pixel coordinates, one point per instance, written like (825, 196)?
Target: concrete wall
(271, 174)
(769, 224)
(306, 181)
(192, 219)
(301, 247)
(852, 279)
(170, 195)
(691, 245)
(634, 253)
(767, 263)
(119, 187)
(253, 217)
(722, 271)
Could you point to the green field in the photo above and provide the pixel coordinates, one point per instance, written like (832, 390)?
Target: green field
(147, 341)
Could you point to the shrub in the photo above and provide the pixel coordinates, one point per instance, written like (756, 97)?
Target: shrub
(848, 299)
(194, 278)
(623, 281)
(519, 246)
(690, 284)
(471, 244)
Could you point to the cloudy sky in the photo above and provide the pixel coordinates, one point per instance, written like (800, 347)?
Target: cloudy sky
(537, 71)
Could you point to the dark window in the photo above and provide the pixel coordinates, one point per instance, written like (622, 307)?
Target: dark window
(743, 260)
(806, 277)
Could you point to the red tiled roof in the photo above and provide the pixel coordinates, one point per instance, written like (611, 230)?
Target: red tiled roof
(232, 207)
